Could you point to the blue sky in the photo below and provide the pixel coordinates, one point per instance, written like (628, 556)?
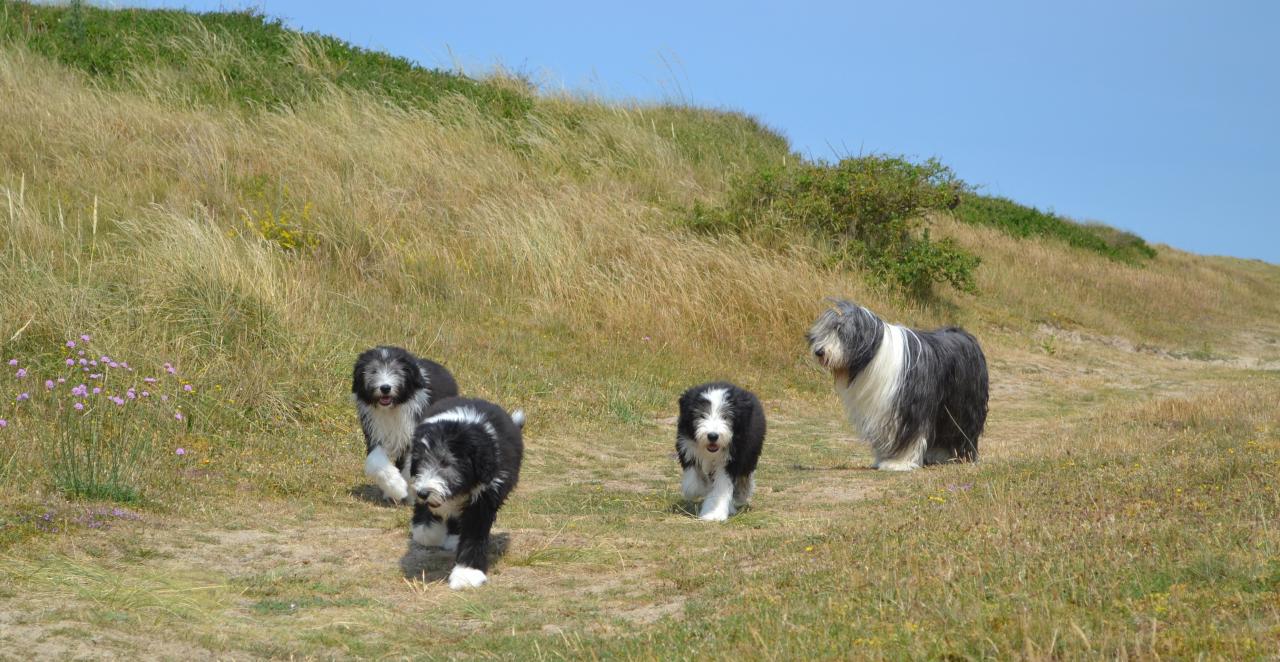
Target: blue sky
(1158, 117)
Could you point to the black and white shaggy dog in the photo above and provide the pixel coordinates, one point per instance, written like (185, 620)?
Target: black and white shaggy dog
(392, 390)
(466, 460)
(919, 397)
(719, 435)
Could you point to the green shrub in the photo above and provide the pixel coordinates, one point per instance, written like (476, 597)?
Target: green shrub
(238, 58)
(1023, 221)
(865, 212)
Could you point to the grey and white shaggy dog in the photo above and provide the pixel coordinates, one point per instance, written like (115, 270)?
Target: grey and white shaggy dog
(465, 461)
(719, 435)
(392, 390)
(919, 397)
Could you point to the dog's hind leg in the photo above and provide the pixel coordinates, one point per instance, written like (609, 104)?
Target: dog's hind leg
(451, 541)
(743, 488)
(718, 505)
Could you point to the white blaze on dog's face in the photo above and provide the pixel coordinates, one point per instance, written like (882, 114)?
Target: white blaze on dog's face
(385, 380)
(713, 430)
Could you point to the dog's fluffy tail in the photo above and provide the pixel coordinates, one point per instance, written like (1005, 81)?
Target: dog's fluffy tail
(517, 417)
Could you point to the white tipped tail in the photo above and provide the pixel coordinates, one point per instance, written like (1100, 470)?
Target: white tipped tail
(517, 417)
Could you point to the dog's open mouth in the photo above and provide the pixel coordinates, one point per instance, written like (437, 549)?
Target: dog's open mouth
(385, 401)
(711, 448)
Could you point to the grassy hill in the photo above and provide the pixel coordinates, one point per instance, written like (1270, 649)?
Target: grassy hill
(252, 206)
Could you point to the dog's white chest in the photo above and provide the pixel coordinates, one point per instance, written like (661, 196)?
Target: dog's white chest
(393, 428)
(869, 397)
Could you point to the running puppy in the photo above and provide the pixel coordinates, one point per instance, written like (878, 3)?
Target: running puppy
(392, 389)
(466, 460)
(719, 435)
(919, 397)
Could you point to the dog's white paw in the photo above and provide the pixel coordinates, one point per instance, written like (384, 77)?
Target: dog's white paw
(428, 535)
(463, 577)
(891, 465)
(394, 488)
(450, 543)
(715, 514)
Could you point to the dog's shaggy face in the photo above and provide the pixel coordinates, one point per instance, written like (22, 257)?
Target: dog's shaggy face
(386, 377)
(711, 413)
(441, 466)
(845, 338)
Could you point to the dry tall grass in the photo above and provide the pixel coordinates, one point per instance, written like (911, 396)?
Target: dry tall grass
(536, 260)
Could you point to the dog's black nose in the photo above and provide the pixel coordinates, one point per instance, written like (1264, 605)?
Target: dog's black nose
(385, 388)
(713, 437)
(819, 352)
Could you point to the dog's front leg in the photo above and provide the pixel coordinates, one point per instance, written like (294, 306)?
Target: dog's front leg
(693, 485)
(472, 562)
(427, 529)
(387, 476)
(718, 505)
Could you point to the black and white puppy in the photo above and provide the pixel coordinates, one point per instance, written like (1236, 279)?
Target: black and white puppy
(392, 390)
(466, 460)
(719, 435)
(919, 397)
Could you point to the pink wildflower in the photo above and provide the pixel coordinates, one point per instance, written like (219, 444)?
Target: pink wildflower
(71, 344)
(62, 380)
(149, 380)
(180, 451)
(22, 372)
(145, 394)
(186, 387)
(13, 361)
(177, 415)
(3, 424)
(48, 384)
(97, 390)
(79, 406)
(71, 361)
(24, 396)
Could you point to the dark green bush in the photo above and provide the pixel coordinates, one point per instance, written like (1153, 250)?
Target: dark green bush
(864, 212)
(1023, 221)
